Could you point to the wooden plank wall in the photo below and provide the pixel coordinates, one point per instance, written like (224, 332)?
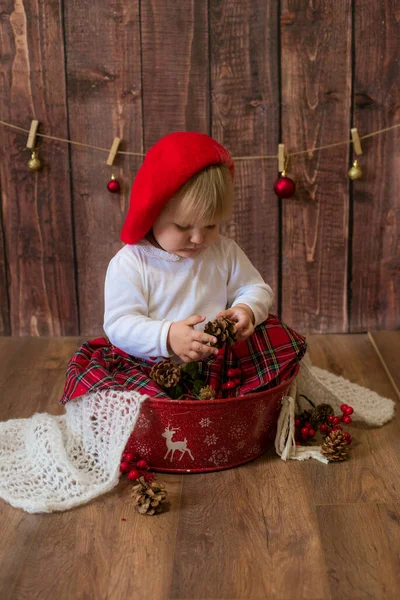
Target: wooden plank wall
(251, 73)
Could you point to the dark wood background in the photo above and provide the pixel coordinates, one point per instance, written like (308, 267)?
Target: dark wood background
(252, 73)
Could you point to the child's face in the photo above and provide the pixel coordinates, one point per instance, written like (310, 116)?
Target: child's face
(183, 239)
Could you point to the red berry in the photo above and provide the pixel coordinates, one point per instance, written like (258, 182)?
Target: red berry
(311, 432)
(229, 385)
(224, 386)
(347, 437)
(323, 428)
(330, 419)
(304, 437)
(308, 425)
(346, 434)
(337, 428)
(238, 372)
(297, 443)
(346, 419)
(336, 420)
(343, 408)
(304, 431)
(349, 410)
(129, 456)
(237, 382)
(231, 372)
(141, 464)
(297, 422)
(133, 475)
(124, 466)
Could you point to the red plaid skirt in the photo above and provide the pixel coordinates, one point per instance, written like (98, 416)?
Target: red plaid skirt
(266, 359)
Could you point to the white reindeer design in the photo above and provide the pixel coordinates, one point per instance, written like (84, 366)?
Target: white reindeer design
(172, 446)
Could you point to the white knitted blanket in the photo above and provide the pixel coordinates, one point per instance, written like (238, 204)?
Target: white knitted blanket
(50, 463)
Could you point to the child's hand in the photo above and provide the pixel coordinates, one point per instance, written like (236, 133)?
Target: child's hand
(243, 317)
(188, 343)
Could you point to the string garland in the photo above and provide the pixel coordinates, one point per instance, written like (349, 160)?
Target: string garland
(284, 186)
(256, 157)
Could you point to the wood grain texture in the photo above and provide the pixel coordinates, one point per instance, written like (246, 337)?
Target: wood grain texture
(249, 532)
(373, 474)
(175, 68)
(36, 206)
(268, 529)
(316, 100)
(104, 101)
(387, 344)
(244, 117)
(359, 556)
(376, 227)
(5, 326)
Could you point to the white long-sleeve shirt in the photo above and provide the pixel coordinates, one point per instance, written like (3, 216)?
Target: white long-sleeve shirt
(147, 289)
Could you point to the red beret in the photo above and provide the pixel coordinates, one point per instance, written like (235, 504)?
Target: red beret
(167, 166)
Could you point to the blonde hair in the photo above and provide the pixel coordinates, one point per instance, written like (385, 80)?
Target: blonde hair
(207, 196)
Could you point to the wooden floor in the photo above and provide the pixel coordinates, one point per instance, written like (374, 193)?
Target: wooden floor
(265, 530)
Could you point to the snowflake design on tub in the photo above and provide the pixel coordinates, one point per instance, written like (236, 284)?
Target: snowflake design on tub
(219, 456)
(143, 422)
(239, 430)
(256, 449)
(206, 422)
(240, 445)
(211, 439)
(143, 450)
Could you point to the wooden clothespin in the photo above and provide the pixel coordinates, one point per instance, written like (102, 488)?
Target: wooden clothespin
(113, 151)
(32, 135)
(356, 141)
(281, 158)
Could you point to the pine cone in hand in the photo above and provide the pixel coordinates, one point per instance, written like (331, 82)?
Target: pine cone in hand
(149, 497)
(207, 393)
(334, 447)
(223, 329)
(166, 373)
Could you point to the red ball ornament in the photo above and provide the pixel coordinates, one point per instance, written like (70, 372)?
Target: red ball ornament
(113, 185)
(284, 187)
(142, 464)
(133, 475)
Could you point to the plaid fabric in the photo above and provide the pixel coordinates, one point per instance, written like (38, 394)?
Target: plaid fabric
(266, 358)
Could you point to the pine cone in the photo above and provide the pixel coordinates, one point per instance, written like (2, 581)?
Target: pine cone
(207, 393)
(223, 329)
(335, 447)
(321, 414)
(166, 373)
(149, 497)
(316, 416)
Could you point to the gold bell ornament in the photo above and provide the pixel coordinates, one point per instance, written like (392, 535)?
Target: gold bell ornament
(34, 163)
(355, 171)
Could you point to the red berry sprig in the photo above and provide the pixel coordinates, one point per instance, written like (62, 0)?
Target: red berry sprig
(135, 467)
(305, 433)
